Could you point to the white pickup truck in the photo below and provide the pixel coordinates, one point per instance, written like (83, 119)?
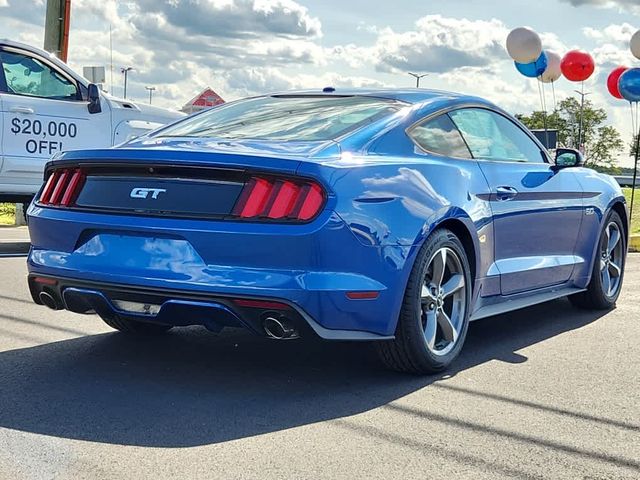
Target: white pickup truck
(45, 108)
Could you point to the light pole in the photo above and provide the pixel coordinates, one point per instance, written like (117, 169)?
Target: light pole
(581, 128)
(126, 71)
(151, 90)
(418, 76)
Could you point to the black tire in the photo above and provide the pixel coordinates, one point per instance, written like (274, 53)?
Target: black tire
(409, 352)
(595, 298)
(134, 327)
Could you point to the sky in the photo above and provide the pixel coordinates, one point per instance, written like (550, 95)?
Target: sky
(248, 47)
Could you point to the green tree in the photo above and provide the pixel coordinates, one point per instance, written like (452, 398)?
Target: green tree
(600, 143)
(605, 148)
(632, 146)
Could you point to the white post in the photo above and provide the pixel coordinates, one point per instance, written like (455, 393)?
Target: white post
(19, 215)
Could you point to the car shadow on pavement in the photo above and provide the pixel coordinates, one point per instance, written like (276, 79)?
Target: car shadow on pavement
(192, 388)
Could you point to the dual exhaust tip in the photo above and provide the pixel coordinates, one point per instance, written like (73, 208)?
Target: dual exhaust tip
(50, 301)
(279, 328)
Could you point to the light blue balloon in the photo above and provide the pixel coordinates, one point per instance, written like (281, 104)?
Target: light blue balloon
(533, 69)
(629, 85)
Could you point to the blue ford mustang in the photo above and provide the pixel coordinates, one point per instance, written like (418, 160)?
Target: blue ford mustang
(393, 216)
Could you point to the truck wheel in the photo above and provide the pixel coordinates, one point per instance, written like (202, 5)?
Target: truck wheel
(434, 316)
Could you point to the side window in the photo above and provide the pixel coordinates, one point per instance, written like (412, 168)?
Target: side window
(491, 136)
(440, 136)
(26, 75)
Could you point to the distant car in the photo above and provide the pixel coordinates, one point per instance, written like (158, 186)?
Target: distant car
(392, 216)
(46, 107)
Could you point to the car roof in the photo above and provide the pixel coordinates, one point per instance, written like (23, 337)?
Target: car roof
(407, 95)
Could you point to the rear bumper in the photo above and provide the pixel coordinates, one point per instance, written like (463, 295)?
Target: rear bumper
(310, 268)
(183, 308)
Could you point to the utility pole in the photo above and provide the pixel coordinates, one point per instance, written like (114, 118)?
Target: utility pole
(56, 29)
(126, 71)
(151, 90)
(581, 128)
(418, 77)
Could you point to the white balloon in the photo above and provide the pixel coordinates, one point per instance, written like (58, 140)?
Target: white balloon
(524, 45)
(635, 44)
(553, 71)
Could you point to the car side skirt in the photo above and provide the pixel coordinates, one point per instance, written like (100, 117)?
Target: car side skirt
(522, 301)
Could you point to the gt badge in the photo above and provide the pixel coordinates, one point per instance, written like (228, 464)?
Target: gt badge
(140, 192)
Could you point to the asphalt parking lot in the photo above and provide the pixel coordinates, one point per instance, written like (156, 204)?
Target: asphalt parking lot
(548, 392)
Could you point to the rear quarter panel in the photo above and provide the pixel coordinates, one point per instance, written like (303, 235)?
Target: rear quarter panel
(602, 192)
(392, 203)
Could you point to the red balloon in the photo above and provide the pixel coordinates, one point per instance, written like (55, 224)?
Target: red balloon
(577, 66)
(612, 81)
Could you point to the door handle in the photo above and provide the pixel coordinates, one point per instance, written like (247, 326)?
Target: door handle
(505, 193)
(25, 110)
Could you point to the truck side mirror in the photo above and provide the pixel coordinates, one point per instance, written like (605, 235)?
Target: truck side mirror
(94, 99)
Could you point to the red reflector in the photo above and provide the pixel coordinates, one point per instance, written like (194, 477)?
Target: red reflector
(73, 189)
(45, 281)
(241, 302)
(312, 203)
(362, 295)
(48, 189)
(58, 191)
(258, 196)
(285, 200)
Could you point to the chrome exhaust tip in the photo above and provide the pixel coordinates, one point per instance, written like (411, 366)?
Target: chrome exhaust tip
(279, 328)
(49, 301)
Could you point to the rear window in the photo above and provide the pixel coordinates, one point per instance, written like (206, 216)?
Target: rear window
(285, 118)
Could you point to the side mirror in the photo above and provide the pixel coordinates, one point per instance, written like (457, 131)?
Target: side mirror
(94, 99)
(568, 157)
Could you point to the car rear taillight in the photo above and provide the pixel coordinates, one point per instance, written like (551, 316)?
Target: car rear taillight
(266, 198)
(62, 187)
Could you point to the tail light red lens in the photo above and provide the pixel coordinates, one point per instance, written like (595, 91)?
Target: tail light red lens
(279, 199)
(62, 187)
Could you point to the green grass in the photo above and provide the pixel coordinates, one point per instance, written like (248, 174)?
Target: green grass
(7, 214)
(635, 221)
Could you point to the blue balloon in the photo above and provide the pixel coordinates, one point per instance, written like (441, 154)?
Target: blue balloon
(533, 69)
(629, 85)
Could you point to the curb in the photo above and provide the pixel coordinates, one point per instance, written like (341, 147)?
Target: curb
(634, 243)
(14, 248)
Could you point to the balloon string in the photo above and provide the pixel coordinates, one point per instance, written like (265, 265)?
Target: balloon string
(544, 113)
(633, 118)
(580, 132)
(540, 94)
(635, 125)
(553, 90)
(635, 165)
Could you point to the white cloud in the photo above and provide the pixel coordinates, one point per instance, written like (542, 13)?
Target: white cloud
(439, 44)
(231, 18)
(630, 5)
(619, 34)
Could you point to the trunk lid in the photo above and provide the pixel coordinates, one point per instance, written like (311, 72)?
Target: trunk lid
(195, 178)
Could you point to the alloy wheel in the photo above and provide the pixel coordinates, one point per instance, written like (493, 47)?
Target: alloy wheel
(611, 259)
(443, 301)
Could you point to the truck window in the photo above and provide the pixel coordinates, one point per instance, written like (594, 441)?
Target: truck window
(26, 75)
